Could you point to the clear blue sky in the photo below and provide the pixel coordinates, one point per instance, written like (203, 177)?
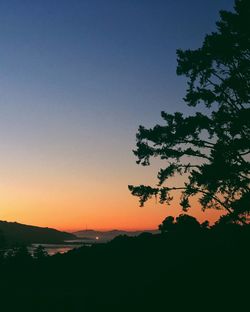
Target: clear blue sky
(77, 78)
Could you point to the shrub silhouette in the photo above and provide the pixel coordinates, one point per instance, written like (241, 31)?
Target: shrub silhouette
(40, 253)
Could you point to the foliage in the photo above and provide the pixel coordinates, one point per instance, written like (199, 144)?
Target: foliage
(167, 225)
(212, 149)
(18, 254)
(40, 253)
(2, 239)
(183, 223)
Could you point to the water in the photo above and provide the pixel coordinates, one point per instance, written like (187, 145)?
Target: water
(53, 249)
(62, 248)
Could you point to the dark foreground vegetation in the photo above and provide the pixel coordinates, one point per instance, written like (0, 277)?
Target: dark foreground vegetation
(187, 266)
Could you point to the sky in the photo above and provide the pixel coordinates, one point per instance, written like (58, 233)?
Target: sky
(77, 78)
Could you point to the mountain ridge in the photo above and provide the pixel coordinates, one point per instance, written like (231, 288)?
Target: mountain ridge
(109, 235)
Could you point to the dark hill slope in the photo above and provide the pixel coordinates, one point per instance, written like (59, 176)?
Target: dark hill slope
(14, 232)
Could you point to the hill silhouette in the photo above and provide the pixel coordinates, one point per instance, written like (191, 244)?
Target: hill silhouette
(105, 236)
(17, 233)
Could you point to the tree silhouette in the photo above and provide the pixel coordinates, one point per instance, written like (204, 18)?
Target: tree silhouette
(187, 223)
(211, 149)
(167, 225)
(2, 239)
(40, 253)
(183, 223)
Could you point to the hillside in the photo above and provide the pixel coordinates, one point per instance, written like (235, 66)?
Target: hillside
(14, 232)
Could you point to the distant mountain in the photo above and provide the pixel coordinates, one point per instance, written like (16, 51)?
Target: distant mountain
(14, 232)
(104, 236)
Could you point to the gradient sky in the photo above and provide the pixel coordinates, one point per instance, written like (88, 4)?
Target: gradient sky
(77, 78)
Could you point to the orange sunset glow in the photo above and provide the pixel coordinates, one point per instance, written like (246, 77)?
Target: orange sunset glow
(81, 205)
